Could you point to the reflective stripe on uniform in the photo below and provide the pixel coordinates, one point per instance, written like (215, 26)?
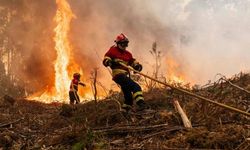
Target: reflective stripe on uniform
(118, 71)
(139, 93)
(139, 98)
(120, 60)
(126, 106)
(106, 59)
(134, 63)
(77, 99)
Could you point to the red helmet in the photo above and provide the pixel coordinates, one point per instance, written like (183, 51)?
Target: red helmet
(121, 38)
(76, 75)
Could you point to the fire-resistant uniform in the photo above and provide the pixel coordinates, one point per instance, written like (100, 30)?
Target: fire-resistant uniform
(131, 89)
(73, 96)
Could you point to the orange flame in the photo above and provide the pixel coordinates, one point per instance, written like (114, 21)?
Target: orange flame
(174, 73)
(63, 18)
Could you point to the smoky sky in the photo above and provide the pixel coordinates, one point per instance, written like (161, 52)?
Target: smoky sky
(203, 37)
(99, 22)
(29, 30)
(213, 34)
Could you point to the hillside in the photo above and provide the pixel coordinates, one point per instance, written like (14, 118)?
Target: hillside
(28, 124)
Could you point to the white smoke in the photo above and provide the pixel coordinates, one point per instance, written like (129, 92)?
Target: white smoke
(213, 34)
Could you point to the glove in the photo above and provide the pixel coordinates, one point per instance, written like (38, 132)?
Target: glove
(110, 63)
(107, 62)
(138, 67)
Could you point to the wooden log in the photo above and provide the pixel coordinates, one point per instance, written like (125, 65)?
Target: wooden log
(183, 115)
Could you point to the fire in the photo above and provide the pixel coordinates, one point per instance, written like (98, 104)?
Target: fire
(65, 66)
(177, 79)
(63, 18)
(174, 72)
(59, 93)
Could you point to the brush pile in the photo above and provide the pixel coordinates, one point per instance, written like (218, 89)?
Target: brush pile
(32, 125)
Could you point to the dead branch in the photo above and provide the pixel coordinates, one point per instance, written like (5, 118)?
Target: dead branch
(94, 84)
(183, 115)
(126, 129)
(163, 132)
(188, 92)
(10, 123)
(234, 85)
(94, 88)
(111, 127)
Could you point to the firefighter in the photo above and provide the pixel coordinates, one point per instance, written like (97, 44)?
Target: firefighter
(121, 75)
(73, 96)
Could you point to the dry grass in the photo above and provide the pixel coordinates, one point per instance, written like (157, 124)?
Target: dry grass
(33, 125)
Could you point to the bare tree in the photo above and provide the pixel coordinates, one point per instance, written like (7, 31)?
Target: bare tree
(93, 85)
(94, 88)
(156, 67)
(157, 57)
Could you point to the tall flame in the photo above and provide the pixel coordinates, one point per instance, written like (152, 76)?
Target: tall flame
(63, 18)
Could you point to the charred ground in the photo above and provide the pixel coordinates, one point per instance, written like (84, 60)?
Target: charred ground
(32, 125)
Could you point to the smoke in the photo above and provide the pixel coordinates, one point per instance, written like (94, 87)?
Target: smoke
(99, 22)
(202, 37)
(30, 31)
(212, 35)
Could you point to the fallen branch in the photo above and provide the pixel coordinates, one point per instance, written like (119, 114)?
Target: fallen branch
(10, 123)
(111, 127)
(163, 132)
(236, 86)
(127, 129)
(183, 115)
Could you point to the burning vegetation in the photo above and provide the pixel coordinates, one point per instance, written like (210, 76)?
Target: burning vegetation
(40, 53)
(64, 64)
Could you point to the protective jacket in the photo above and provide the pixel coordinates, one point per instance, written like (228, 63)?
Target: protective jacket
(73, 96)
(117, 55)
(74, 85)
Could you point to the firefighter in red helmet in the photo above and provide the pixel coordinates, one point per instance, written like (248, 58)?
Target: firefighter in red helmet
(73, 96)
(131, 90)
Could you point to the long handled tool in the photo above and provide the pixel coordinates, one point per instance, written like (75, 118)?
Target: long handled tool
(187, 92)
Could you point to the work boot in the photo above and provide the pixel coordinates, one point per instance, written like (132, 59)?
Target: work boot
(142, 105)
(126, 108)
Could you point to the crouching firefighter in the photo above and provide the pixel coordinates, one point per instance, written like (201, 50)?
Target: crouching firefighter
(131, 90)
(73, 96)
